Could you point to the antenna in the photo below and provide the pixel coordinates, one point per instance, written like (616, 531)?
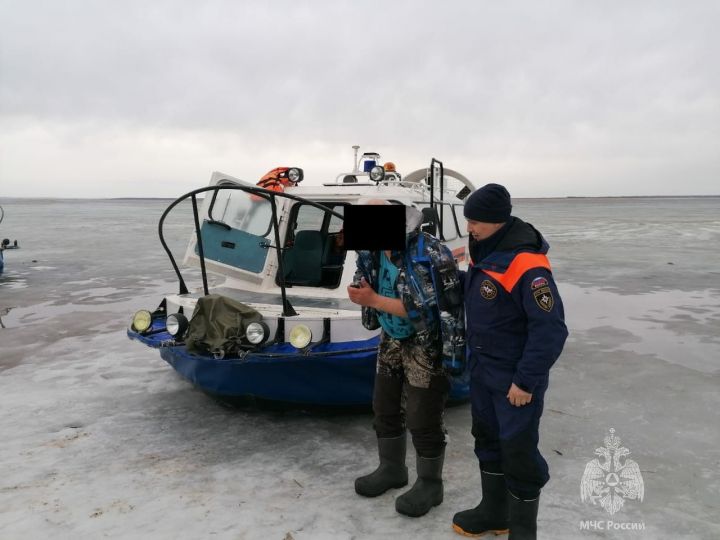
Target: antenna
(356, 147)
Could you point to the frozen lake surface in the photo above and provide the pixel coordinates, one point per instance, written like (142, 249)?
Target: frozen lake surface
(101, 439)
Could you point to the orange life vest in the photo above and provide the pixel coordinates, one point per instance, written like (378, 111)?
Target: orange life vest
(273, 181)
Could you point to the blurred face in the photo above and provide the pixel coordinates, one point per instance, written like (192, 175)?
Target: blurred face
(480, 230)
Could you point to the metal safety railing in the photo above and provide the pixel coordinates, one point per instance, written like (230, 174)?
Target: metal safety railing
(271, 197)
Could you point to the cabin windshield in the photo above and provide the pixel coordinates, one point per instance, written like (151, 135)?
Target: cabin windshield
(314, 254)
(243, 211)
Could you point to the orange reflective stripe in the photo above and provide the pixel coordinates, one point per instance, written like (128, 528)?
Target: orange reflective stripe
(520, 264)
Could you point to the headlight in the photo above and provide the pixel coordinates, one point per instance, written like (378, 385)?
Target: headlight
(295, 175)
(177, 325)
(300, 336)
(142, 321)
(377, 173)
(257, 333)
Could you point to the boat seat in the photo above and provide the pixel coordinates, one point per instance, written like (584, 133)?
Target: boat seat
(302, 263)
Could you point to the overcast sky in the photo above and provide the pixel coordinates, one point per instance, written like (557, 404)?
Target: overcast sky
(147, 98)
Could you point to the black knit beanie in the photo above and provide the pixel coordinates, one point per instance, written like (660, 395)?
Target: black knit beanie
(489, 204)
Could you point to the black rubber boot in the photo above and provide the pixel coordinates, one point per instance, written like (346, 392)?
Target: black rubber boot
(491, 515)
(427, 490)
(523, 518)
(391, 473)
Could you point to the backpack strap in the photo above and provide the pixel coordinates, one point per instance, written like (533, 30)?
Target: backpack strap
(421, 258)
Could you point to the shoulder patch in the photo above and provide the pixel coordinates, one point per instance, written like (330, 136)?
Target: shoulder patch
(544, 298)
(488, 290)
(538, 282)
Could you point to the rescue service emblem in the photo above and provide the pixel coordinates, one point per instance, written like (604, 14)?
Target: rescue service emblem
(544, 298)
(488, 290)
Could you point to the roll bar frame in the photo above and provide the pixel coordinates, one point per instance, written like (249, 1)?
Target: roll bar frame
(270, 196)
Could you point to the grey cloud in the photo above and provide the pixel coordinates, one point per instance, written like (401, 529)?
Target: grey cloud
(483, 83)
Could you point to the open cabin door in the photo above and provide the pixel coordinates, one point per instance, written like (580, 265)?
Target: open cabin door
(238, 238)
(237, 231)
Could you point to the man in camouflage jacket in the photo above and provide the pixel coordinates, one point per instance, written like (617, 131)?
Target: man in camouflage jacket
(416, 297)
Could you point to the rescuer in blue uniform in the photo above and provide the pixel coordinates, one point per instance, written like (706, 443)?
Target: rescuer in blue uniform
(515, 331)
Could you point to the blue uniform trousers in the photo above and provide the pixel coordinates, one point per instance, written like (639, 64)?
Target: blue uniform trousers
(504, 433)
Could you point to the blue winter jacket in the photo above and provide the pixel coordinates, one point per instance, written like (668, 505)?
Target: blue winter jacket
(515, 316)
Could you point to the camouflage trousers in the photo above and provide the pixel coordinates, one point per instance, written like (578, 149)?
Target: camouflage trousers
(411, 389)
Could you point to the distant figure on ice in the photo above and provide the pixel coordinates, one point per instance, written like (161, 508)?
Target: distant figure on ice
(515, 331)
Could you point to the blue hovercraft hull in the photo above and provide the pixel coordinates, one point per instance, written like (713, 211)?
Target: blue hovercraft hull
(331, 374)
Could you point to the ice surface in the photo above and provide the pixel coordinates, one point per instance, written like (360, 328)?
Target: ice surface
(101, 439)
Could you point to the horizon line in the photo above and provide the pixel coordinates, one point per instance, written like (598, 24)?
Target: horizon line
(514, 198)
